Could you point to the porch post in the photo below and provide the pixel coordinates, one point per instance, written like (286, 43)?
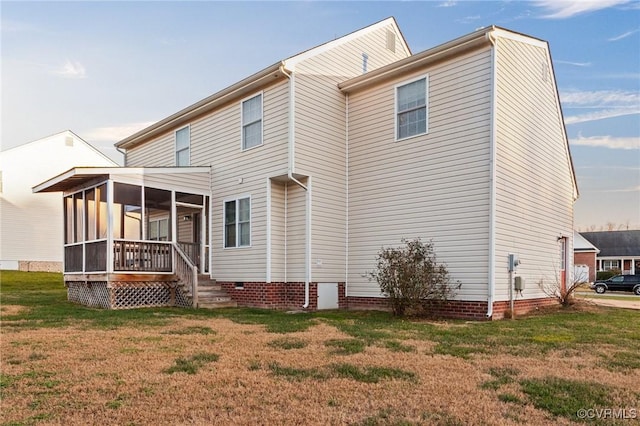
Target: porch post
(110, 226)
(174, 218)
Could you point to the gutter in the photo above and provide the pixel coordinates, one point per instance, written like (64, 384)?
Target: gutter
(291, 177)
(492, 170)
(187, 114)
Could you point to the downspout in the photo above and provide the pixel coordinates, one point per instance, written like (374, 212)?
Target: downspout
(124, 155)
(492, 170)
(290, 171)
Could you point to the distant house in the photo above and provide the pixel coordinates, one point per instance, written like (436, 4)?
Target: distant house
(32, 224)
(584, 258)
(618, 250)
(286, 184)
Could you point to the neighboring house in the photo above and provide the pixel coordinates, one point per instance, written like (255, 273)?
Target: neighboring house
(31, 224)
(318, 161)
(618, 250)
(584, 258)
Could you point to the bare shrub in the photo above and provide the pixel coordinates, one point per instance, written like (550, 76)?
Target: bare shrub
(411, 278)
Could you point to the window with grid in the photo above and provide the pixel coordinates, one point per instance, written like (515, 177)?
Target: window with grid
(411, 108)
(252, 122)
(237, 223)
(183, 147)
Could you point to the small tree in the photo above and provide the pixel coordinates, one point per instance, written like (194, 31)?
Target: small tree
(564, 294)
(410, 276)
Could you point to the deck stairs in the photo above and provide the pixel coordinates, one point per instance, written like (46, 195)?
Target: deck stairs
(211, 295)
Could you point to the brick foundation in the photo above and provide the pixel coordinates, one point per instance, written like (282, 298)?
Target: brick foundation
(277, 295)
(39, 266)
(291, 296)
(473, 310)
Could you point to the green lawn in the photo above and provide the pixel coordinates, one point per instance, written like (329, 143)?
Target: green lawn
(549, 365)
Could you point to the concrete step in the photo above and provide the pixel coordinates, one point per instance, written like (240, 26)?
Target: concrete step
(215, 305)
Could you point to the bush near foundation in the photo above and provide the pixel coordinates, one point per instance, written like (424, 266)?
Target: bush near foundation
(411, 277)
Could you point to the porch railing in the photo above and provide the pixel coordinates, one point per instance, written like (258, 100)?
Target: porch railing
(187, 273)
(192, 250)
(144, 256)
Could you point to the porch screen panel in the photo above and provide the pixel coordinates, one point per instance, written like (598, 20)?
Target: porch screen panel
(101, 213)
(79, 220)
(157, 214)
(127, 203)
(68, 219)
(90, 217)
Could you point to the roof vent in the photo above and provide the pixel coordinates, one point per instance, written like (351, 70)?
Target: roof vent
(391, 41)
(68, 141)
(365, 61)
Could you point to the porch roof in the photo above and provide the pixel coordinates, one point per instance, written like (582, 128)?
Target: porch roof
(78, 176)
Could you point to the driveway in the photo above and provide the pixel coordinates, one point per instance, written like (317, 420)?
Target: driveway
(632, 303)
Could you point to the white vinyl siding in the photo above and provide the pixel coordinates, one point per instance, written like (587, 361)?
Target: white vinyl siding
(434, 186)
(32, 224)
(320, 144)
(216, 142)
(183, 147)
(252, 122)
(534, 186)
(412, 115)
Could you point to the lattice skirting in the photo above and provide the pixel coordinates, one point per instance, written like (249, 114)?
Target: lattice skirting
(126, 295)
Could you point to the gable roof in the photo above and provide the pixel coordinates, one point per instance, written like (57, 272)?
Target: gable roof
(582, 245)
(48, 139)
(248, 85)
(615, 243)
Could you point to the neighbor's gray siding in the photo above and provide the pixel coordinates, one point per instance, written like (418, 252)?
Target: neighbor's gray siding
(435, 186)
(534, 184)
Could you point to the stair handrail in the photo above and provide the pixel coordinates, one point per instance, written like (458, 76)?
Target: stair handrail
(186, 271)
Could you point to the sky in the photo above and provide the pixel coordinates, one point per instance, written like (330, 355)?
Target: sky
(108, 69)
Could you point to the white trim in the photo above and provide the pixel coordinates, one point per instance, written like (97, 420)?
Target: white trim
(395, 106)
(110, 238)
(346, 238)
(175, 145)
(224, 224)
(291, 62)
(499, 32)
(268, 271)
(493, 148)
(242, 124)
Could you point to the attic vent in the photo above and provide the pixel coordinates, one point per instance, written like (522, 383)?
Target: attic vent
(545, 72)
(365, 60)
(68, 141)
(391, 41)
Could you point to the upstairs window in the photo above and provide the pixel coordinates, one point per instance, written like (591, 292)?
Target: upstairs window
(411, 108)
(183, 147)
(237, 223)
(252, 122)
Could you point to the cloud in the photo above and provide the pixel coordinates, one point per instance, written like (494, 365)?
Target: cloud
(607, 142)
(114, 134)
(71, 69)
(600, 97)
(624, 35)
(561, 9)
(448, 3)
(605, 103)
(575, 64)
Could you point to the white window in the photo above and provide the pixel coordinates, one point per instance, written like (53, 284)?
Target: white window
(237, 223)
(610, 264)
(183, 147)
(252, 122)
(411, 108)
(159, 229)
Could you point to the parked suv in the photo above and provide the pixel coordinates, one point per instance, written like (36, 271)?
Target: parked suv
(618, 283)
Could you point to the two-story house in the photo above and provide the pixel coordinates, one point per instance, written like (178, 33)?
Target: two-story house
(287, 183)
